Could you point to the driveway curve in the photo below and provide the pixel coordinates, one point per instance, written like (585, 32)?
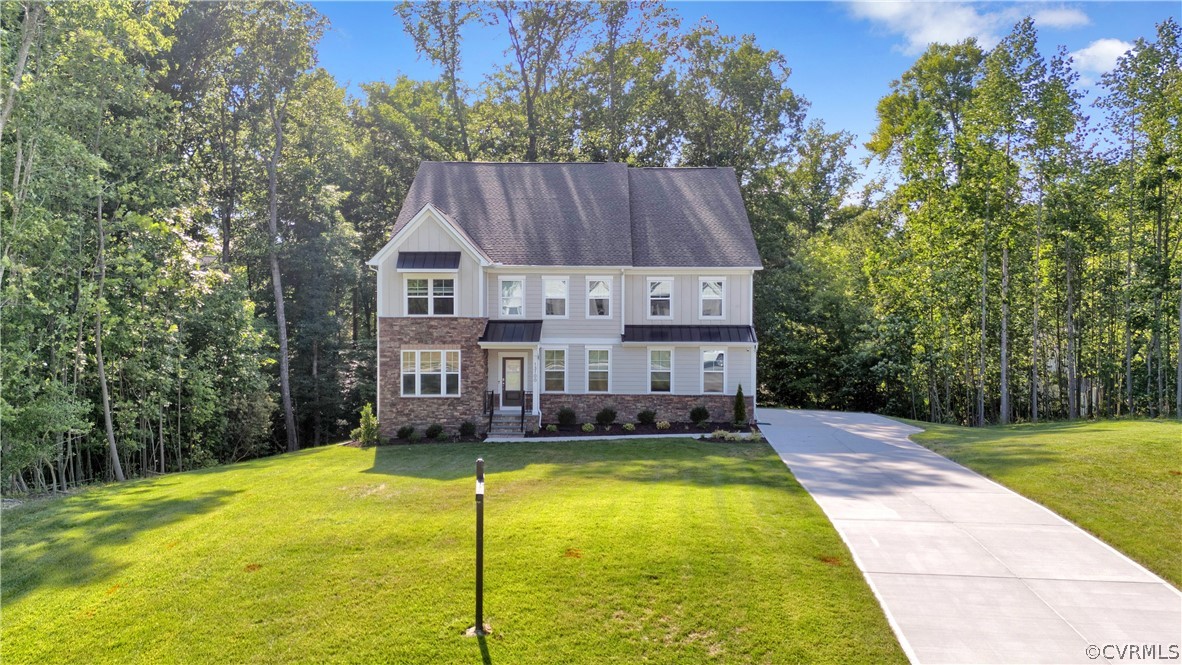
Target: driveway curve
(967, 570)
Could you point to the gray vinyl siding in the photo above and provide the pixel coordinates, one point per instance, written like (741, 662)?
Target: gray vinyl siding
(629, 368)
(429, 237)
(736, 304)
(577, 325)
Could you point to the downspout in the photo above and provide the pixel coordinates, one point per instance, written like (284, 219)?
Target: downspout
(623, 302)
(378, 333)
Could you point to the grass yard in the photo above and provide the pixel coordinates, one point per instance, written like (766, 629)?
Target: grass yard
(1120, 480)
(658, 551)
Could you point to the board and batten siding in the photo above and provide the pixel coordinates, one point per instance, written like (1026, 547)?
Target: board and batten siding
(577, 325)
(429, 237)
(736, 306)
(629, 368)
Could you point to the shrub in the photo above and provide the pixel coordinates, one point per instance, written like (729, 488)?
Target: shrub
(734, 436)
(664, 424)
(414, 437)
(566, 416)
(719, 434)
(740, 407)
(629, 427)
(434, 430)
(588, 427)
(467, 428)
(406, 431)
(551, 428)
(755, 437)
(646, 417)
(367, 432)
(606, 416)
(699, 415)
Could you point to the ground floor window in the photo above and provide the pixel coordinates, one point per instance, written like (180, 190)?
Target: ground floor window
(598, 370)
(713, 370)
(555, 367)
(660, 370)
(430, 373)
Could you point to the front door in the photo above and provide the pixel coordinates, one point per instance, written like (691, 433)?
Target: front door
(511, 392)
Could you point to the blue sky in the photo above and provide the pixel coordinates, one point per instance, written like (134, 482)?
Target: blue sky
(843, 55)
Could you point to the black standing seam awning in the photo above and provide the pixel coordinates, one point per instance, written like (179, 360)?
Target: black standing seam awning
(428, 260)
(512, 332)
(704, 334)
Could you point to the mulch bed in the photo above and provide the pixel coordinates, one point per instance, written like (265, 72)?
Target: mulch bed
(617, 429)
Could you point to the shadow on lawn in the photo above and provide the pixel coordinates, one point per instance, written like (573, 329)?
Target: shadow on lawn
(85, 523)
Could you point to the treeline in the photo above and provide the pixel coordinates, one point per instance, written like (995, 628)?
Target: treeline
(188, 201)
(1021, 261)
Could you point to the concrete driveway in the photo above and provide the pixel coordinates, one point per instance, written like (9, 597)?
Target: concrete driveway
(967, 570)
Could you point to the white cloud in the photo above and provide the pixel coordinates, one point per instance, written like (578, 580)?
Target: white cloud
(922, 23)
(1101, 55)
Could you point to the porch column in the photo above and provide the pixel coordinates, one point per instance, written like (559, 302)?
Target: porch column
(537, 381)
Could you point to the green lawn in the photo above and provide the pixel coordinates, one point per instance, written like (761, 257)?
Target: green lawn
(1120, 480)
(656, 551)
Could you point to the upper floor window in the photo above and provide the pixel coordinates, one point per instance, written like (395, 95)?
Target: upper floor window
(711, 294)
(555, 368)
(512, 297)
(430, 296)
(599, 297)
(660, 370)
(599, 362)
(660, 298)
(713, 370)
(430, 373)
(554, 291)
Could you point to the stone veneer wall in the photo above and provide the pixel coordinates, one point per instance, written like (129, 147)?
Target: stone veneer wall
(431, 333)
(674, 408)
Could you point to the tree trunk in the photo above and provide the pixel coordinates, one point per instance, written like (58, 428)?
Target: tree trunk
(981, 348)
(1004, 416)
(1178, 357)
(29, 27)
(1034, 310)
(1072, 370)
(116, 466)
(316, 392)
(277, 279)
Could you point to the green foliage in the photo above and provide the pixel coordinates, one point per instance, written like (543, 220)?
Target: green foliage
(567, 416)
(629, 427)
(406, 431)
(467, 428)
(646, 417)
(434, 431)
(588, 427)
(367, 432)
(551, 428)
(699, 415)
(606, 416)
(740, 409)
(664, 424)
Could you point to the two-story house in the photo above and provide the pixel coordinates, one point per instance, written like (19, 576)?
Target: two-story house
(532, 287)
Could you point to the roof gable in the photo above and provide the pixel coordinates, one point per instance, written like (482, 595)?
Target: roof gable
(429, 212)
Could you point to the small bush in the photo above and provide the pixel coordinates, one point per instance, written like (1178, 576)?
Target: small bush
(551, 428)
(719, 434)
(367, 432)
(734, 436)
(467, 428)
(664, 424)
(434, 430)
(414, 437)
(629, 427)
(588, 427)
(606, 416)
(699, 415)
(755, 437)
(406, 431)
(566, 416)
(646, 417)
(740, 407)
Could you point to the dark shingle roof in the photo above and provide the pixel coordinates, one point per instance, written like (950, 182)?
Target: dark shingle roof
(428, 260)
(512, 331)
(590, 214)
(707, 334)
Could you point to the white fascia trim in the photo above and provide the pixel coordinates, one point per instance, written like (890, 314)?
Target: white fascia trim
(699, 270)
(425, 212)
(724, 345)
(508, 345)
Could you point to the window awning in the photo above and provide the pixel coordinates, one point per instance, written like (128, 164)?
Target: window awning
(689, 334)
(512, 332)
(428, 261)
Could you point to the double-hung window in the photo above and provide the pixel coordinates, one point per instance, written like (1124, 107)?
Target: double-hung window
(713, 370)
(660, 298)
(711, 292)
(512, 297)
(599, 362)
(660, 370)
(599, 297)
(430, 373)
(430, 296)
(554, 291)
(554, 362)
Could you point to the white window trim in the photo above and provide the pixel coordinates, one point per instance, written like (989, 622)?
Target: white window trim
(648, 297)
(419, 377)
(587, 370)
(722, 304)
(611, 306)
(648, 369)
(566, 296)
(726, 359)
(501, 279)
(455, 295)
(565, 369)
